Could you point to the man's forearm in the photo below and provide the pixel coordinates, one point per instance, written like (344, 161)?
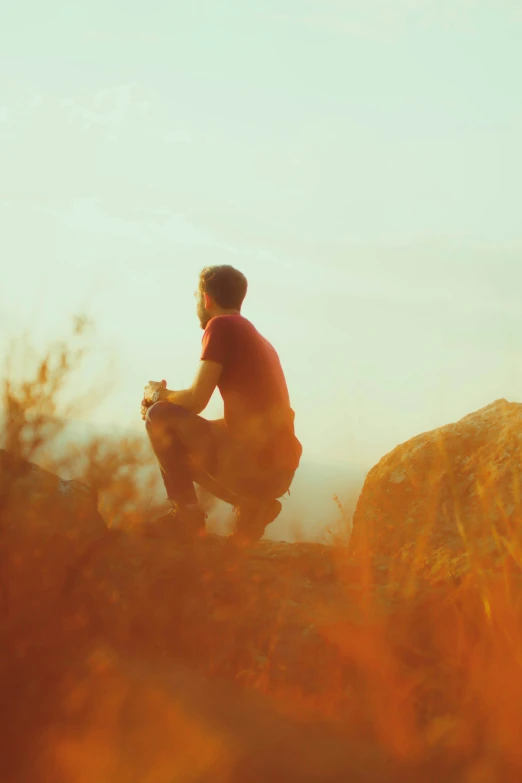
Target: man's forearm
(184, 398)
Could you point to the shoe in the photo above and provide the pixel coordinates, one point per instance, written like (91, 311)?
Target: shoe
(252, 519)
(180, 524)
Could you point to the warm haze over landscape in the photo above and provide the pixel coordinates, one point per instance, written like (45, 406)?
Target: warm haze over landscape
(360, 163)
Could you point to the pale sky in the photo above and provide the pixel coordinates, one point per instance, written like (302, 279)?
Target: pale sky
(359, 161)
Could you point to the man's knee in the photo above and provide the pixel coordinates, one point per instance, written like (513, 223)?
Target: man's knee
(163, 411)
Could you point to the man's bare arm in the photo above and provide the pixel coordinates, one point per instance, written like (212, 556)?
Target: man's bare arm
(197, 397)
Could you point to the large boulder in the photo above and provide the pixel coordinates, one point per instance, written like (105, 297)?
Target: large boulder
(454, 490)
(46, 527)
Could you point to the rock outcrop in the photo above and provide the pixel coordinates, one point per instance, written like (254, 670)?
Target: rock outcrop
(46, 526)
(209, 605)
(454, 491)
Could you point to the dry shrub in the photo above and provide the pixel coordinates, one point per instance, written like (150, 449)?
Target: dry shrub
(414, 670)
(30, 405)
(37, 418)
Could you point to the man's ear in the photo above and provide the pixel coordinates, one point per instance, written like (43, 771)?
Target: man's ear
(209, 302)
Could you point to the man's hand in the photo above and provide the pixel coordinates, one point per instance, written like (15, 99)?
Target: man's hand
(152, 387)
(194, 399)
(151, 394)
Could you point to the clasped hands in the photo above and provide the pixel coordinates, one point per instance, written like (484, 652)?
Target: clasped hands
(151, 395)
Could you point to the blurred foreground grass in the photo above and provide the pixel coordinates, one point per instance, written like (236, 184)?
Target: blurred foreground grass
(414, 672)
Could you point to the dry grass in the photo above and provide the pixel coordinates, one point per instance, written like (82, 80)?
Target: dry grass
(415, 676)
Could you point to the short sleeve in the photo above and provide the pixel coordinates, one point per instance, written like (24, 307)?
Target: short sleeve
(215, 342)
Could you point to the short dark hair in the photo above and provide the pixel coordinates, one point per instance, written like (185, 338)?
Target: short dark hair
(227, 286)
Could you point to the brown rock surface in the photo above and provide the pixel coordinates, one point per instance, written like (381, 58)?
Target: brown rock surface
(46, 526)
(246, 615)
(453, 492)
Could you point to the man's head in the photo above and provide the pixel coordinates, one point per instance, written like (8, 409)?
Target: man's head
(221, 291)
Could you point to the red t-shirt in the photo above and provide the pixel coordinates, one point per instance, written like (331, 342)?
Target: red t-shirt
(253, 388)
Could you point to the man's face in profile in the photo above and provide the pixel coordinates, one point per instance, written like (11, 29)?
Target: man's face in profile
(203, 314)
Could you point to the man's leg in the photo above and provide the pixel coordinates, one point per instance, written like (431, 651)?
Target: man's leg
(189, 448)
(179, 438)
(174, 434)
(255, 488)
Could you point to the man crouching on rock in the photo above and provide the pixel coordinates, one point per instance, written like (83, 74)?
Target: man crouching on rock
(247, 459)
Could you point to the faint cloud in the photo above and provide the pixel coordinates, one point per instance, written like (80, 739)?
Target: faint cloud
(178, 137)
(112, 107)
(63, 147)
(382, 18)
(6, 113)
(87, 215)
(122, 36)
(126, 107)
